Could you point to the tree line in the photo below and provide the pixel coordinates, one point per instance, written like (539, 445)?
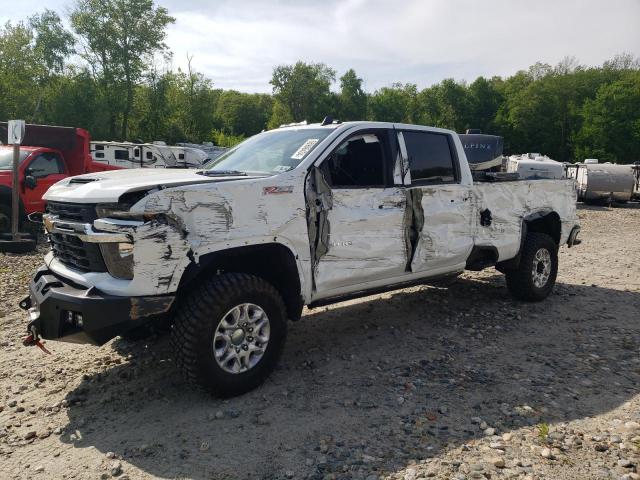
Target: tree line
(111, 75)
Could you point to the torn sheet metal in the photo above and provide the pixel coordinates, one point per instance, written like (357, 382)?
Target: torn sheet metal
(183, 223)
(445, 238)
(319, 203)
(413, 225)
(367, 237)
(149, 306)
(511, 202)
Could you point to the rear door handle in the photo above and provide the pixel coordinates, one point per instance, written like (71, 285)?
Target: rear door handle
(392, 205)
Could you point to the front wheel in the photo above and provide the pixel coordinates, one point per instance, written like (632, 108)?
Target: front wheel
(229, 333)
(5, 218)
(534, 278)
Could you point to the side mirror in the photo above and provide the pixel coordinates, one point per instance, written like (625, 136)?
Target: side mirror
(30, 182)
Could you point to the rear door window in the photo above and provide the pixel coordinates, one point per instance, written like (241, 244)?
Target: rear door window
(430, 158)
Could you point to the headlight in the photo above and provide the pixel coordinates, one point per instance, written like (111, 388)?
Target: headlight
(121, 208)
(108, 210)
(118, 257)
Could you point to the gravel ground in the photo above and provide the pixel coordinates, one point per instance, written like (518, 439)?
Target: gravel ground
(458, 383)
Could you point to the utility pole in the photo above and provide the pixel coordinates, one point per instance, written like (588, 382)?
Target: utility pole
(15, 132)
(16, 242)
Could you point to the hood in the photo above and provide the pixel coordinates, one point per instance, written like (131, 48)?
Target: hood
(107, 187)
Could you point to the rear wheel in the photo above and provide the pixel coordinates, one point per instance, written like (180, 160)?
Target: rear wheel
(535, 276)
(229, 333)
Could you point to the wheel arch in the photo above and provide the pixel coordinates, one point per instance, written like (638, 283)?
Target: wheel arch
(543, 221)
(274, 262)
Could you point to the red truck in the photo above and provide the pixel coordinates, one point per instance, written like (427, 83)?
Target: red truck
(48, 154)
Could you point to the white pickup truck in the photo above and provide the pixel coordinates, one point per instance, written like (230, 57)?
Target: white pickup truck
(300, 215)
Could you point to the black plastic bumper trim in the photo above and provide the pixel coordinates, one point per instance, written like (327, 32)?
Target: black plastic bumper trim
(103, 316)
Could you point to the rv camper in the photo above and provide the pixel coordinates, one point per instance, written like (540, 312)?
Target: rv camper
(602, 182)
(533, 166)
(212, 151)
(147, 155)
(484, 152)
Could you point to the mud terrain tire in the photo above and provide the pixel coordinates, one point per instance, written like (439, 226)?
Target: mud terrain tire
(534, 278)
(221, 313)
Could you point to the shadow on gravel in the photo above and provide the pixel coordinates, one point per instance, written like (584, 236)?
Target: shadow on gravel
(368, 387)
(604, 208)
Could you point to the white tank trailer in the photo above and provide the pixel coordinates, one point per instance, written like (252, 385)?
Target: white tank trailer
(532, 166)
(636, 179)
(603, 182)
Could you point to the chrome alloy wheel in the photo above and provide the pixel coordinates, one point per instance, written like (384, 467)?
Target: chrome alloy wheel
(541, 267)
(241, 338)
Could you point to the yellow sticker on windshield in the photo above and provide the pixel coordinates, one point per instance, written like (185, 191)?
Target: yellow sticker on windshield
(304, 149)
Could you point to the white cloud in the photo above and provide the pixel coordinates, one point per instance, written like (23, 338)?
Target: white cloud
(237, 43)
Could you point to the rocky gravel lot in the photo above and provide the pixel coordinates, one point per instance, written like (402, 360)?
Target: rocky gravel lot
(429, 382)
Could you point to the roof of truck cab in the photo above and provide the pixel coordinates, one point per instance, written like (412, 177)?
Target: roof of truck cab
(363, 123)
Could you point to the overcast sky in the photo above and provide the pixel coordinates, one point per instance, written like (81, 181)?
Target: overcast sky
(237, 43)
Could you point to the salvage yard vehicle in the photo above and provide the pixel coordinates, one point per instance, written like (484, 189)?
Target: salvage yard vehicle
(300, 215)
(48, 155)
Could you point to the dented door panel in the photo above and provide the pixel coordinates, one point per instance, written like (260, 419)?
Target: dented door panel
(365, 240)
(446, 237)
(199, 220)
(511, 202)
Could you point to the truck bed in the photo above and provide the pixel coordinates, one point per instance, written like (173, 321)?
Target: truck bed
(509, 202)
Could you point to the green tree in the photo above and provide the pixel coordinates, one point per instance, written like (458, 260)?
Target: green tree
(53, 43)
(120, 38)
(73, 100)
(20, 67)
(153, 106)
(352, 100)
(243, 113)
(303, 89)
(611, 127)
(484, 98)
(445, 105)
(396, 103)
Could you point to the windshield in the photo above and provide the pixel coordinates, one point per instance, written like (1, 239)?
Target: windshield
(270, 152)
(6, 158)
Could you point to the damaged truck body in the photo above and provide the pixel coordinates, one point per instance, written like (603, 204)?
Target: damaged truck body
(301, 215)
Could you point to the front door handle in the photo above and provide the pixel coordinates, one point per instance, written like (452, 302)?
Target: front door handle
(391, 204)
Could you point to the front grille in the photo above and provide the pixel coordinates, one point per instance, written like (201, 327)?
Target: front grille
(75, 253)
(68, 248)
(73, 212)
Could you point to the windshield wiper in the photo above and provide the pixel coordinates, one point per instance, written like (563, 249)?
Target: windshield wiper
(220, 173)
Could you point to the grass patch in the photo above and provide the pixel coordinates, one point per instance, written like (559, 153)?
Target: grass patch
(543, 431)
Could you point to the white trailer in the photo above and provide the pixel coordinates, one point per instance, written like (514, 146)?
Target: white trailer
(603, 182)
(534, 166)
(147, 155)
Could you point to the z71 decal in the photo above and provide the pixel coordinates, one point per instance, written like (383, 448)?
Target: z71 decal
(277, 190)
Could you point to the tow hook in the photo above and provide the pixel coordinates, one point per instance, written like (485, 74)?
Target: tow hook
(32, 339)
